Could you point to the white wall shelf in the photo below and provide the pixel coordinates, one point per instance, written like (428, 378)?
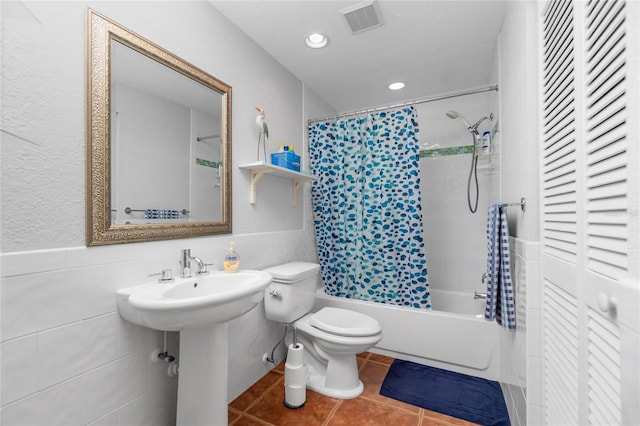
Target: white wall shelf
(261, 168)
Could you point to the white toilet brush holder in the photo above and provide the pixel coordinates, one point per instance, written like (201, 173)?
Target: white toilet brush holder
(295, 377)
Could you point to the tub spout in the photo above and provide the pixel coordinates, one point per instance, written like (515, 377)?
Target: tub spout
(477, 295)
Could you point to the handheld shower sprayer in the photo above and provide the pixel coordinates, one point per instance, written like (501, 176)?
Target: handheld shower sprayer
(473, 129)
(455, 114)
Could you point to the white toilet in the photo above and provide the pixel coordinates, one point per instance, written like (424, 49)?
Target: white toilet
(331, 337)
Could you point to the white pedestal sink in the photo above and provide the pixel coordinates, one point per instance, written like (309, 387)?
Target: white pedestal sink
(199, 308)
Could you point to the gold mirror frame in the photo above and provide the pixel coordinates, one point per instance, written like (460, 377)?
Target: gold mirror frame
(99, 229)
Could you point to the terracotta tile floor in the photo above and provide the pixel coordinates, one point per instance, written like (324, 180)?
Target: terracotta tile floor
(262, 404)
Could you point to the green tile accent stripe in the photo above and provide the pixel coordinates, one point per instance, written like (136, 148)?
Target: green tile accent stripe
(207, 163)
(441, 152)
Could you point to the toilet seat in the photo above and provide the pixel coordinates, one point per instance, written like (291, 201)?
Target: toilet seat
(342, 322)
(304, 325)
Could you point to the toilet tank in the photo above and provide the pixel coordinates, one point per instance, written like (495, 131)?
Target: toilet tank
(291, 293)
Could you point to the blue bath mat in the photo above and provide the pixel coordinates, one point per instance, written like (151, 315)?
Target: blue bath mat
(454, 394)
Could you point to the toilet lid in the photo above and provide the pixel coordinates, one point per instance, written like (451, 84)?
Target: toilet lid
(293, 271)
(345, 323)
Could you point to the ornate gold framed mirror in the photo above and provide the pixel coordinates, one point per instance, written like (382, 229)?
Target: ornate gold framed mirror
(158, 148)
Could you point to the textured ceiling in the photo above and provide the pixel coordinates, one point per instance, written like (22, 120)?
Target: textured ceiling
(435, 47)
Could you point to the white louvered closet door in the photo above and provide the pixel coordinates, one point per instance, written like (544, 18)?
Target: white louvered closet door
(590, 205)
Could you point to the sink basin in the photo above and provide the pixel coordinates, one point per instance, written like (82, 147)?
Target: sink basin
(193, 302)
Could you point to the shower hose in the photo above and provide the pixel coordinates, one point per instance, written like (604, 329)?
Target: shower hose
(473, 172)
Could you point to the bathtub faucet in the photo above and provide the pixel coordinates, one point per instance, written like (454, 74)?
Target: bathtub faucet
(477, 295)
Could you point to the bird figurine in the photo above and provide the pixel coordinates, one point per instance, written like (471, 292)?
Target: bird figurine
(263, 132)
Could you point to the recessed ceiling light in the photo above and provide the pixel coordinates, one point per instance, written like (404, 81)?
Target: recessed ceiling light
(396, 86)
(316, 40)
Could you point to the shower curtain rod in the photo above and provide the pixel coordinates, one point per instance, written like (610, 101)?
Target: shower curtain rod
(405, 104)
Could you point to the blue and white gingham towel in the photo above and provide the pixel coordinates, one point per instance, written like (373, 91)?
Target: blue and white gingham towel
(500, 297)
(161, 214)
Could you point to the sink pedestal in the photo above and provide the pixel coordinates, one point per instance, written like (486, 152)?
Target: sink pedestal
(202, 381)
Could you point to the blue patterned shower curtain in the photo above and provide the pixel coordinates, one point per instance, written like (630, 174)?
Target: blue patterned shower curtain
(367, 212)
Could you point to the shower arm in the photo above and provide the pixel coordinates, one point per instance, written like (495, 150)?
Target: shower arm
(474, 129)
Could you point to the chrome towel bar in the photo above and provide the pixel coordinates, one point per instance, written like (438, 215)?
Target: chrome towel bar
(522, 204)
(129, 210)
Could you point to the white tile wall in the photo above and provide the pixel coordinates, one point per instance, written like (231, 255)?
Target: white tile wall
(102, 391)
(448, 223)
(62, 336)
(19, 368)
(133, 338)
(67, 356)
(58, 405)
(46, 300)
(58, 358)
(149, 409)
(521, 371)
(111, 419)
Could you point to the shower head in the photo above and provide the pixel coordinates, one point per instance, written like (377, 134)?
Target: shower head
(455, 114)
(473, 129)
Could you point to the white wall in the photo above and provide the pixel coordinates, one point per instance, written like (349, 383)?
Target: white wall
(66, 356)
(449, 225)
(519, 116)
(151, 139)
(520, 350)
(206, 182)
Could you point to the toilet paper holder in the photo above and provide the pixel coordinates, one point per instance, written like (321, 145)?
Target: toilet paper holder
(295, 377)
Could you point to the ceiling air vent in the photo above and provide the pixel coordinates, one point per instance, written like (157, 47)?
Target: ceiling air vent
(362, 16)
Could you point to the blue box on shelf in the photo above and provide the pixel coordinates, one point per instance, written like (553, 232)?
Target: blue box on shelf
(286, 159)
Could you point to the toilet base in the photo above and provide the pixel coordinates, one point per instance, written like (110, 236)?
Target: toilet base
(316, 382)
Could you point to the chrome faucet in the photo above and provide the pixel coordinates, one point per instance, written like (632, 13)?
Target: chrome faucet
(185, 262)
(477, 295)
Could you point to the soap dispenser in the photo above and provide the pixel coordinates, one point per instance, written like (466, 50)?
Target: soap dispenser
(232, 260)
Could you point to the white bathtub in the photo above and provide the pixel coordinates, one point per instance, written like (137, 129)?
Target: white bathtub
(458, 339)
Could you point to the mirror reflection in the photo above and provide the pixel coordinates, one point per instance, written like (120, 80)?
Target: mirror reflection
(165, 143)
